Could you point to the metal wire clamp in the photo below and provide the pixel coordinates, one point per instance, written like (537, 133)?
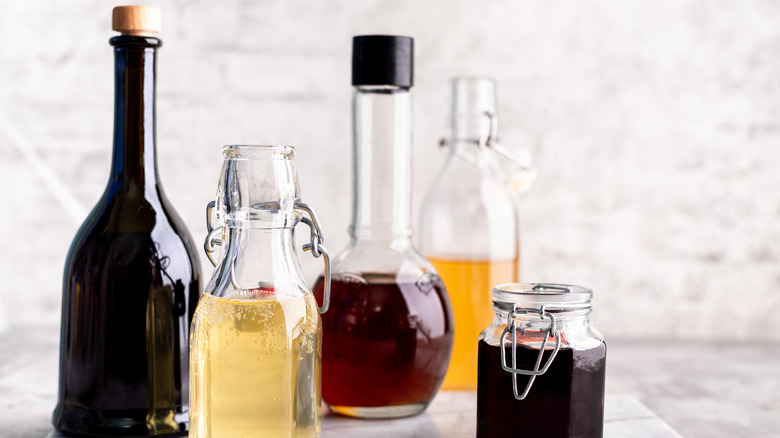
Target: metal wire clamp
(315, 245)
(489, 141)
(214, 237)
(511, 326)
(551, 331)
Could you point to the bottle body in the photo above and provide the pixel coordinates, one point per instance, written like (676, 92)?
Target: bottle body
(131, 283)
(469, 228)
(256, 335)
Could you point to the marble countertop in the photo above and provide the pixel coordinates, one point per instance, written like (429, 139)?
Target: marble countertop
(654, 390)
(452, 415)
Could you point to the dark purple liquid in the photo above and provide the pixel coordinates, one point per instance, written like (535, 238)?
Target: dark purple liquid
(566, 401)
(386, 342)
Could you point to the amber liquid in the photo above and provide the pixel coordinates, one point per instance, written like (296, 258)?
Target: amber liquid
(255, 367)
(566, 401)
(386, 343)
(469, 284)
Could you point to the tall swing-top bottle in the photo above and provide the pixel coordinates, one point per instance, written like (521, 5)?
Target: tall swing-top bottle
(468, 227)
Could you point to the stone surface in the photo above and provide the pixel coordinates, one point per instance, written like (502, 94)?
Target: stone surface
(698, 390)
(654, 127)
(452, 415)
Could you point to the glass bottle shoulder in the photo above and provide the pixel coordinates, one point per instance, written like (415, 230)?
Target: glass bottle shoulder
(467, 214)
(260, 262)
(127, 224)
(133, 208)
(463, 184)
(400, 257)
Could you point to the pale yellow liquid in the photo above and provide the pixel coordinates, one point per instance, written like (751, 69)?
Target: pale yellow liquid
(469, 284)
(255, 367)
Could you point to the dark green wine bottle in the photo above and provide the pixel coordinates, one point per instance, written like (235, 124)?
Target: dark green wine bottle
(132, 279)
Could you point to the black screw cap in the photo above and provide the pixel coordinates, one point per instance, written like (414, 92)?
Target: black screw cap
(383, 60)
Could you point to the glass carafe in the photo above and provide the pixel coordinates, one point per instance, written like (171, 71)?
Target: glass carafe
(469, 227)
(256, 335)
(387, 337)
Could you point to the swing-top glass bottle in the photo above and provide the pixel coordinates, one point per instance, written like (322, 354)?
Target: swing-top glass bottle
(469, 227)
(256, 334)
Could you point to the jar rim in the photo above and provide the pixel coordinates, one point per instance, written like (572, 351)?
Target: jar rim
(537, 294)
(257, 150)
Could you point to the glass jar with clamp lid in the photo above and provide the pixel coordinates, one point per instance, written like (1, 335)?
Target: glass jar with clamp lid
(541, 364)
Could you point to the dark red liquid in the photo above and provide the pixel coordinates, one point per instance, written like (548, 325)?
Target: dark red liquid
(566, 401)
(385, 342)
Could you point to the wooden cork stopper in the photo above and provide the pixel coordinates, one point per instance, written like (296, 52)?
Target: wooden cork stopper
(136, 20)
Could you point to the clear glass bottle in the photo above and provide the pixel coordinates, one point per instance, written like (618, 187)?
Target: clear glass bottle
(541, 364)
(469, 227)
(256, 335)
(388, 336)
(132, 277)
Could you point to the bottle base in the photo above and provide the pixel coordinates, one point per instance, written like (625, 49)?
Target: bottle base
(69, 434)
(379, 411)
(77, 421)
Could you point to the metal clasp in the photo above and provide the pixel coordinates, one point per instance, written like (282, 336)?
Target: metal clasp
(315, 245)
(214, 237)
(511, 326)
(490, 142)
(552, 331)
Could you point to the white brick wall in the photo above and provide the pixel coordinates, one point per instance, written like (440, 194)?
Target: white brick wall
(654, 126)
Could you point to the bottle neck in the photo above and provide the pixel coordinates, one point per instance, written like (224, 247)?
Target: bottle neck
(382, 160)
(473, 111)
(258, 258)
(134, 157)
(465, 134)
